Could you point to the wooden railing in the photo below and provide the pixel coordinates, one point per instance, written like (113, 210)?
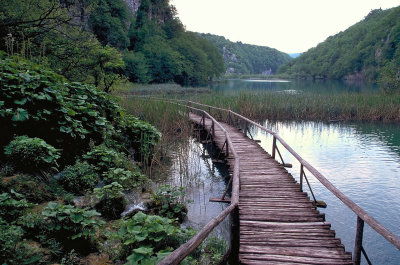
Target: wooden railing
(362, 215)
(184, 250)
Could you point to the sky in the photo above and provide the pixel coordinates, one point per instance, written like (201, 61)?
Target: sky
(291, 26)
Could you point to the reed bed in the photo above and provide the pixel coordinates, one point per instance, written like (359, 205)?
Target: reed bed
(309, 106)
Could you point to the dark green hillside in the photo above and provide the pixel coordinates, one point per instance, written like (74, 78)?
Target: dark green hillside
(103, 41)
(368, 50)
(244, 58)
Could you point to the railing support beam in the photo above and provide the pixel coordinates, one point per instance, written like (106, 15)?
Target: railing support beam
(358, 241)
(273, 147)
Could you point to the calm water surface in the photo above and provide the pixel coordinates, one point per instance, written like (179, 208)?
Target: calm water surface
(361, 159)
(319, 86)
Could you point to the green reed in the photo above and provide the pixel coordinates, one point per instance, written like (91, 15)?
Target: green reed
(308, 106)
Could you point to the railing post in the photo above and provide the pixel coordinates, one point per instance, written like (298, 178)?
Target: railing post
(204, 120)
(227, 148)
(273, 147)
(212, 129)
(358, 241)
(245, 128)
(301, 177)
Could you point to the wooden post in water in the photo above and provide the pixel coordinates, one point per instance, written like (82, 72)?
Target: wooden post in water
(301, 177)
(273, 147)
(358, 241)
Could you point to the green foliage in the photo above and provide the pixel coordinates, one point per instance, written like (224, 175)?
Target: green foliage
(243, 58)
(39, 103)
(33, 189)
(136, 68)
(128, 179)
(13, 250)
(103, 158)
(67, 223)
(112, 200)
(214, 250)
(79, 177)
(169, 202)
(143, 236)
(12, 206)
(368, 50)
(108, 21)
(140, 135)
(31, 154)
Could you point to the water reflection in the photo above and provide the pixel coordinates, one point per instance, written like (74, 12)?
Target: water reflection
(316, 86)
(363, 161)
(192, 168)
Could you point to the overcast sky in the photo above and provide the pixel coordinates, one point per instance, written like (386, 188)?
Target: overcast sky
(288, 25)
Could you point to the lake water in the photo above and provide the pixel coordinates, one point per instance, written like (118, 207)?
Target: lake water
(361, 159)
(319, 86)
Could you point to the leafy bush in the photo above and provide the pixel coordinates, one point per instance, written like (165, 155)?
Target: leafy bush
(79, 177)
(145, 236)
(104, 158)
(38, 103)
(31, 154)
(67, 223)
(112, 200)
(12, 206)
(13, 250)
(127, 178)
(169, 202)
(140, 135)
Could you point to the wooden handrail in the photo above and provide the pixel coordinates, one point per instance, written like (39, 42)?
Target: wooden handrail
(362, 215)
(372, 222)
(184, 250)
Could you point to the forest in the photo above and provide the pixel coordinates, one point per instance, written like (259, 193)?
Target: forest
(101, 42)
(69, 153)
(241, 58)
(368, 50)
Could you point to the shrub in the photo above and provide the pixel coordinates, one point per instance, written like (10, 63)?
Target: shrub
(31, 154)
(12, 206)
(140, 135)
(104, 158)
(112, 200)
(143, 236)
(169, 202)
(12, 249)
(127, 178)
(70, 225)
(39, 103)
(79, 177)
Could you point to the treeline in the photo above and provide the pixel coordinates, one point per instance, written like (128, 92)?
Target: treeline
(241, 58)
(102, 42)
(368, 50)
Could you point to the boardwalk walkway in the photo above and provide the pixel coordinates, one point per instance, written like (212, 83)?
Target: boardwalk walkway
(279, 224)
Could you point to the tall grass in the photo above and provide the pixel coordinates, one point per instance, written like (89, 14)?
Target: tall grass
(308, 106)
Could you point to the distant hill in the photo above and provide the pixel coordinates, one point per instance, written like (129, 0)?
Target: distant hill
(368, 50)
(294, 55)
(243, 58)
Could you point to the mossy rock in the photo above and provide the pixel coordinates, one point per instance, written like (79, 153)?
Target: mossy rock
(111, 208)
(29, 186)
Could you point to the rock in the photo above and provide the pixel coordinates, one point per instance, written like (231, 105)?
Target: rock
(86, 201)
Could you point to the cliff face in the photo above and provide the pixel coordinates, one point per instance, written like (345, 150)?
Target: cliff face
(133, 5)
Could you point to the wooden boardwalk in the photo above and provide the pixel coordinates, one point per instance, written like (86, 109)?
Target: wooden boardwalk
(279, 224)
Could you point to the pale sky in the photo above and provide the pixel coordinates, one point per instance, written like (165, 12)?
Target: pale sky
(288, 25)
